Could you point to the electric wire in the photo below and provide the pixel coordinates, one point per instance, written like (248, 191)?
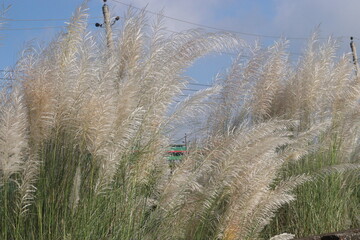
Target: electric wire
(151, 12)
(31, 28)
(41, 19)
(215, 28)
(199, 84)
(185, 89)
(189, 89)
(154, 13)
(168, 30)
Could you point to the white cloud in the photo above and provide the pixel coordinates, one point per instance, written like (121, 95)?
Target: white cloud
(336, 17)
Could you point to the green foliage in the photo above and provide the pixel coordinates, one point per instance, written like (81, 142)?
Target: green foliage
(329, 203)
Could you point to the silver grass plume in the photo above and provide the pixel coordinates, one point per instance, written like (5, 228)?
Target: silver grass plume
(189, 109)
(38, 91)
(27, 184)
(75, 191)
(283, 236)
(13, 134)
(238, 169)
(117, 145)
(267, 87)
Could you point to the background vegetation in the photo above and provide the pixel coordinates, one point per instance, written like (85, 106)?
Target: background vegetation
(84, 131)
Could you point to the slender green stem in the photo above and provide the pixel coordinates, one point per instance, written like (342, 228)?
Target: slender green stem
(6, 210)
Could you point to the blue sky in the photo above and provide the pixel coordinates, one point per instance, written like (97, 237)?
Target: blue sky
(289, 18)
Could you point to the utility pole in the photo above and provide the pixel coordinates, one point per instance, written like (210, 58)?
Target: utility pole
(185, 140)
(353, 50)
(107, 24)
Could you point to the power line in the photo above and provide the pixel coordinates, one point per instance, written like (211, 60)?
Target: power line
(215, 28)
(191, 90)
(185, 89)
(199, 84)
(30, 28)
(235, 54)
(151, 12)
(41, 20)
(33, 28)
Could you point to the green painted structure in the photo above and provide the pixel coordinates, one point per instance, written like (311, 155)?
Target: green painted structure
(176, 153)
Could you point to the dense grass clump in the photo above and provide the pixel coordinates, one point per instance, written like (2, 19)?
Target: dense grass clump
(319, 89)
(85, 126)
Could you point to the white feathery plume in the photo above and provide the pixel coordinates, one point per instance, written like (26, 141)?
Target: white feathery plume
(13, 134)
(283, 236)
(27, 184)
